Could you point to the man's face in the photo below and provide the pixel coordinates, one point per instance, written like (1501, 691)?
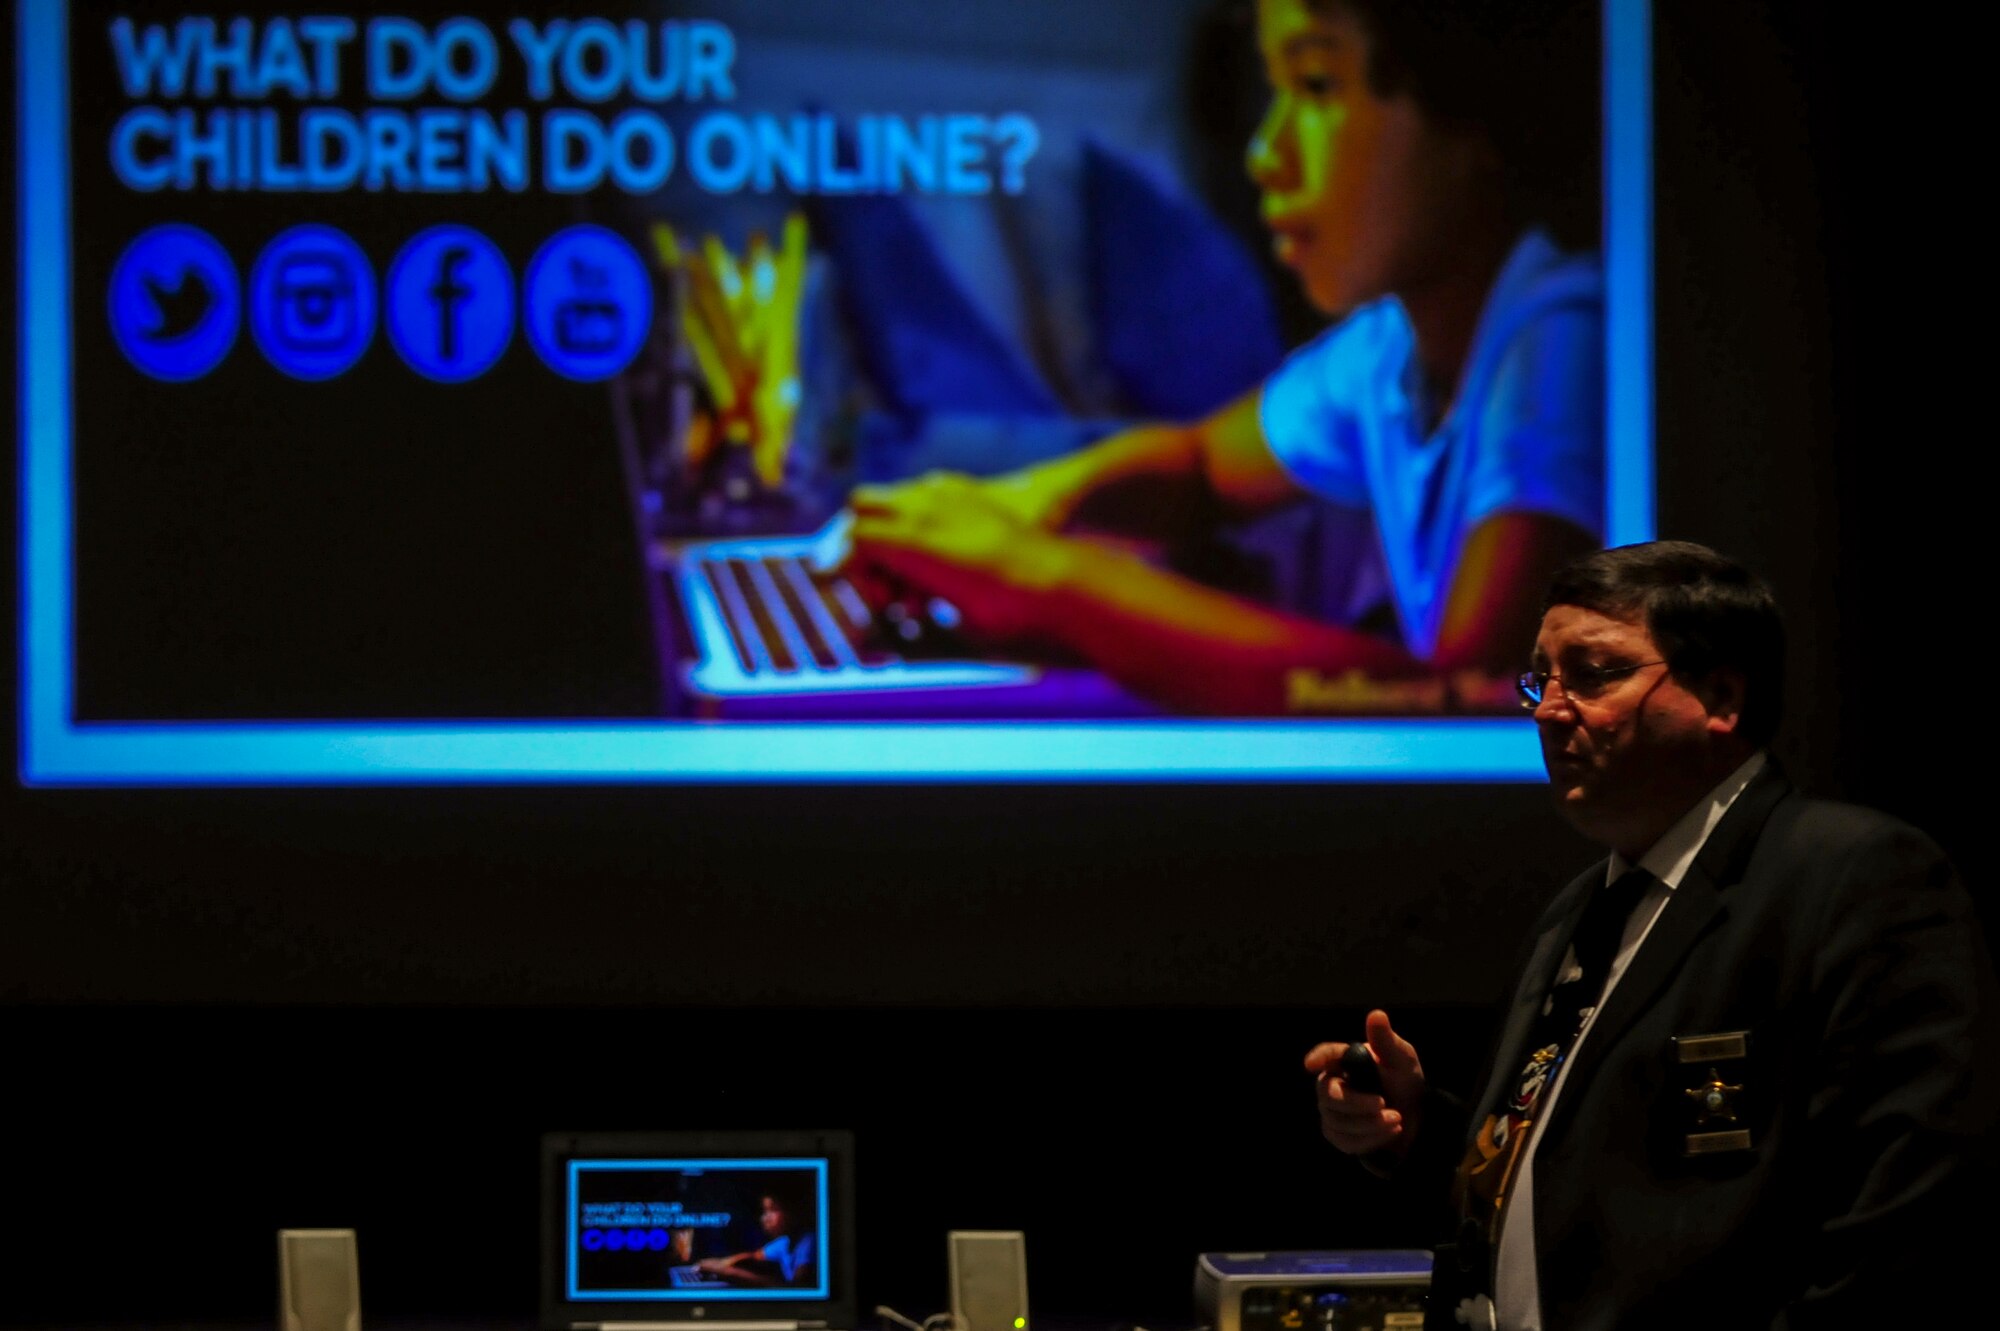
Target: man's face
(1358, 189)
(1628, 752)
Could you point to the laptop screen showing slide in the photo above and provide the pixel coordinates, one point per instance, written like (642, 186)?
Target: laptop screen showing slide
(708, 1228)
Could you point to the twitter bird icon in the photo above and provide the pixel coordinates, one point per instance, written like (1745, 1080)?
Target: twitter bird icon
(175, 303)
(180, 304)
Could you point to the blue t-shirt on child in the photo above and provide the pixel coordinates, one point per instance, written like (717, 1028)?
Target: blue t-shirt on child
(790, 1255)
(1344, 415)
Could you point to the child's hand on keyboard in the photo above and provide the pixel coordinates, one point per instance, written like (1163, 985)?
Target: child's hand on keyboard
(946, 537)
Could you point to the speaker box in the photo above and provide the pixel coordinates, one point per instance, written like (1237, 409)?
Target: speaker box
(319, 1288)
(989, 1280)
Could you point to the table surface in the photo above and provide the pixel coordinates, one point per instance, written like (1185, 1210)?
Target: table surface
(372, 1323)
(369, 1322)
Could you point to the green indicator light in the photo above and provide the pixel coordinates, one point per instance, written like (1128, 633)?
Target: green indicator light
(1020, 1322)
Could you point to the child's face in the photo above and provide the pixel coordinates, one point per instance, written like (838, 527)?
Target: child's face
(1359, 190)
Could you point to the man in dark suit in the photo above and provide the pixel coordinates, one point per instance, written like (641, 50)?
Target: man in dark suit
(1745, 1078)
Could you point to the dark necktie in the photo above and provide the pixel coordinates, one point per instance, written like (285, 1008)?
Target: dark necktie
(1486, 1174)
(1576, 988)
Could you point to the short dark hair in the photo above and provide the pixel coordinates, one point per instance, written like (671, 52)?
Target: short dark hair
(794, 1198)
(1706, 613)
(1467, 63)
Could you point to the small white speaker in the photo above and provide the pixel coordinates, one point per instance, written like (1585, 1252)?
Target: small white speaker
(319, 1288)
(989, 1280)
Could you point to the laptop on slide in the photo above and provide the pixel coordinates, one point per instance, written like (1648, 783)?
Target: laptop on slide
(679, 1231)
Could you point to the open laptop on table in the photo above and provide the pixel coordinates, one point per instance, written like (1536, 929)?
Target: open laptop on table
(777, 635)
(671, 1231)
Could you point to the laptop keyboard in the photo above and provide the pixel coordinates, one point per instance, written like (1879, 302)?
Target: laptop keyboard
(783, 618)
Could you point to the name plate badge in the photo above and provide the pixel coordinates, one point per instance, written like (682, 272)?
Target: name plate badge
(1711, 1048)
(1712, 1143)
(1712, 1092)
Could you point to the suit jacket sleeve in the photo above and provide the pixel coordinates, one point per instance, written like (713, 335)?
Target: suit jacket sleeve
(1903, 1099)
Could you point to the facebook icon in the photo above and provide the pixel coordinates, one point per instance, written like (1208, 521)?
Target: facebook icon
(447, 291)
(451, 303)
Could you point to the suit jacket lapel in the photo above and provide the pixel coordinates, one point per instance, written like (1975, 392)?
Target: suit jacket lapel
(1533, 989)
(1691, 910)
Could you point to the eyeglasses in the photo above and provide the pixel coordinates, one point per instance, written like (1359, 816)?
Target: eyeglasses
(1579, 682)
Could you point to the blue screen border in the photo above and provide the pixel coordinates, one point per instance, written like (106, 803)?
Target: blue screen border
(823, 1290)
(57, 750)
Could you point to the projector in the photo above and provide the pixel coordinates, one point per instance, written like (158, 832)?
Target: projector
(1354, 1290)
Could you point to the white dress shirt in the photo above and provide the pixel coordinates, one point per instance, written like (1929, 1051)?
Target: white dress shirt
(1516, 1293)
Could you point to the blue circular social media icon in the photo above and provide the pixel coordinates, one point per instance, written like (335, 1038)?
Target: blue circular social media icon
(175, 304)
(450, 303)
(587, 302)
(312, 302)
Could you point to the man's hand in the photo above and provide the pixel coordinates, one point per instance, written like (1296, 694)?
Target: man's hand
(949, 536)
(1359, 1123)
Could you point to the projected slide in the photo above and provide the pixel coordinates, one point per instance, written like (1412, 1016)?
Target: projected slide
(795, 389)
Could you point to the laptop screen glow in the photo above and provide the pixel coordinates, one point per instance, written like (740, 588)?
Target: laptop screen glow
(696, 1230)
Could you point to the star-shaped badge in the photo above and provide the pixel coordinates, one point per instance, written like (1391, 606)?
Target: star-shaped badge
(1714, 1100)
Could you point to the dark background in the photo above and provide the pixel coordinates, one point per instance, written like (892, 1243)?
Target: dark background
(1075, 1010)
